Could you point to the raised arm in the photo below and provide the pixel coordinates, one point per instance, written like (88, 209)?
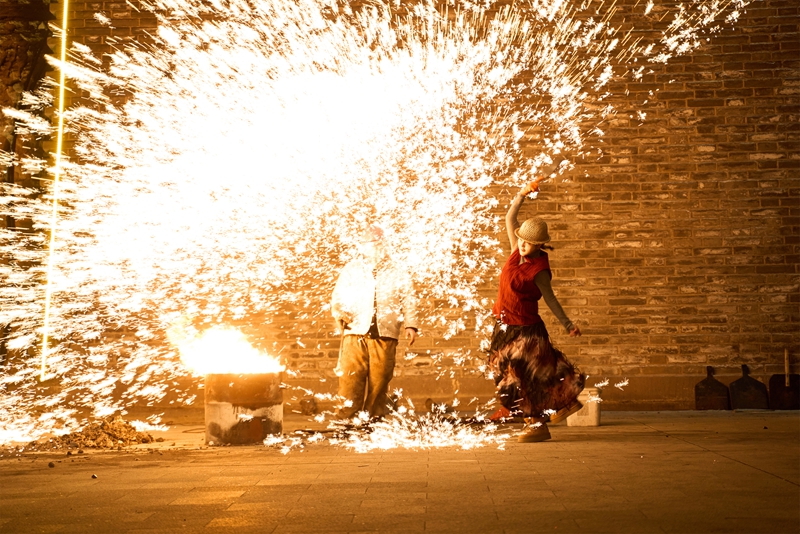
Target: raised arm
(511, 217)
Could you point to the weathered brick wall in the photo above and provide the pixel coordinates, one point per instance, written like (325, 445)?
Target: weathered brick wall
(23, 45)
(675, 250)
(23, 36)
(679, 247)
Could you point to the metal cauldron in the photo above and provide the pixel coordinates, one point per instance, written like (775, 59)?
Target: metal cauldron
(242, 409)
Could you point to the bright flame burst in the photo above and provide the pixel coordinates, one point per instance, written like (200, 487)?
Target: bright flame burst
(221, 173)
(221, 350)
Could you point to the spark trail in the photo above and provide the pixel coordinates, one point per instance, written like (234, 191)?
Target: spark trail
(220, 173)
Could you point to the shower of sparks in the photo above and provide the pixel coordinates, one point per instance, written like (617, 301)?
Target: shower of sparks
(403, 428)
(429, 431)
(222, 172)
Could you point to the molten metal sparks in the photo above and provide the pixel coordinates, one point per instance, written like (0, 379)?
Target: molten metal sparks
(222, 167)
(593, 398)
(402, 429)
(430, 431)
(601, 385)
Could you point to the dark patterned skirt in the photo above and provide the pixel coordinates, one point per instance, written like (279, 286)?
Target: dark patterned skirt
(531, 375)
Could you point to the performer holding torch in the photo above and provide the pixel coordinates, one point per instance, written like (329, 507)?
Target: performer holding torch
(533, 378)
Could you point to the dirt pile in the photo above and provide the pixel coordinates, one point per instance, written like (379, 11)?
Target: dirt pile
(105, 434)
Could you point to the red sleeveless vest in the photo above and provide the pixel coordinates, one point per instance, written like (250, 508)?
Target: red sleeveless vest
(518, 296)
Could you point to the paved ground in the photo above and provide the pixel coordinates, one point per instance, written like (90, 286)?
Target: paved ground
(639, 472)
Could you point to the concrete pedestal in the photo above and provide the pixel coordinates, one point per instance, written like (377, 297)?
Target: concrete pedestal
(589, 415)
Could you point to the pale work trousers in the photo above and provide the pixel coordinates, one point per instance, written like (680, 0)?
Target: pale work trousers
(367, 366)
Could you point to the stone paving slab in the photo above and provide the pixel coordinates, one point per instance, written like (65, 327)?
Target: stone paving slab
(669, 472)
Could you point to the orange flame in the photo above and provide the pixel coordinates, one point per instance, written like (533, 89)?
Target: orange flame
(223, 350)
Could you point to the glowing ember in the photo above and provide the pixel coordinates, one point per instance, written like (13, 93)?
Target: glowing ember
(222, 350)
(221, 168)
(431, 431)
(402, 429)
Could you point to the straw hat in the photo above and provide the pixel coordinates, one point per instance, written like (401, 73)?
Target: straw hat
(533, 231)
(372, 234)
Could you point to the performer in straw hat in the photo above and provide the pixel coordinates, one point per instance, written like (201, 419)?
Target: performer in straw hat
(533, 378)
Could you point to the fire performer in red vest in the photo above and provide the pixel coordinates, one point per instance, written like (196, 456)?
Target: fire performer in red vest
(372, 300)
(533, 378)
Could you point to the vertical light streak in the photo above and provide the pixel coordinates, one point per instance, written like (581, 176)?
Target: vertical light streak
(56, 179)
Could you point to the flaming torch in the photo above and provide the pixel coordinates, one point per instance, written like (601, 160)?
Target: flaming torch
(243, 395)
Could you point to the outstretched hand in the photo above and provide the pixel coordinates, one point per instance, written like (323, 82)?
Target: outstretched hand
(531, 186)
(411, 335)
(575, 332)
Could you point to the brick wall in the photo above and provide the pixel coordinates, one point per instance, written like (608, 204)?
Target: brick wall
(679, 247)
(23, 43)
(676, 249)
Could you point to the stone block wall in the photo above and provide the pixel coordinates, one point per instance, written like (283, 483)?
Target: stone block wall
(675, 249)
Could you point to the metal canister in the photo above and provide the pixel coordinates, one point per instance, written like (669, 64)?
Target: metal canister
(242, 409)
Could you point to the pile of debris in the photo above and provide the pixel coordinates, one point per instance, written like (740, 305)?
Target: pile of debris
(107, 434)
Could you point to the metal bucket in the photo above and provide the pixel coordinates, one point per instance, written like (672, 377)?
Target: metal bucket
(242, 409)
